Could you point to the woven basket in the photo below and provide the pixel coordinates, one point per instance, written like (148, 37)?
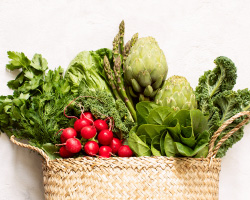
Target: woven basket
(135, 177)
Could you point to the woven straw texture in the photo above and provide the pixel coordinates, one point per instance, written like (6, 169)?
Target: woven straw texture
(136, 177)
(132, 178)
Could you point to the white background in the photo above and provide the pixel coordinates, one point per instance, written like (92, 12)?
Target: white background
(191, 33)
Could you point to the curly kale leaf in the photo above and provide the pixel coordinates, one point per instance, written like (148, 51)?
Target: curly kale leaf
(104, 105)
(221, 78)
(227, 104)
(219, 102)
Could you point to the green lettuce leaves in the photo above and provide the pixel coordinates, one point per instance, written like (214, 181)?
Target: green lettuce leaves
(162, 131)
(87, 67)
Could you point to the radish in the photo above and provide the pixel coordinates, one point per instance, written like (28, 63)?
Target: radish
(91, 148)
(105, 151)
(80, 123)
(105, 137)
(125, 151)
(88, 132)
(100, 125)
(115, 145)
(88, 116)
(73, 145)
(64, 153)
(67, 133)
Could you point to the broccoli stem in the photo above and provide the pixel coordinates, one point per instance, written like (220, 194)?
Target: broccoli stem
(121, 88)
(110, 77)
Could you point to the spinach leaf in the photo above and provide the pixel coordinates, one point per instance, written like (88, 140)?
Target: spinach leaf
(158, 115)
(169, 146)
(155, 145)
(139, 147)
(150, 131)
(170, 133)
(142, 111)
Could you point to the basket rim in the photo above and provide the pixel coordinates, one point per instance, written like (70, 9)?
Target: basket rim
(134, 163)
(135, 158)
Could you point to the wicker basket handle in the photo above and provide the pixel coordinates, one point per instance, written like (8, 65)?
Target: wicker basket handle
(40, 151)
(213, 151)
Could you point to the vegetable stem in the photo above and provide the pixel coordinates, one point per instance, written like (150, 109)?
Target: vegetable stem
(110, 76)
(128, 46)
(121, 33)
(121, 88)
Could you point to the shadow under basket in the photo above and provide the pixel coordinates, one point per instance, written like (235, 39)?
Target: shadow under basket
(135, 177)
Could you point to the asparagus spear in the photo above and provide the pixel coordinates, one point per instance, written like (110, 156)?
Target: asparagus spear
(121, 34)
(115, 76)
(128, 46)
(121, 88)
(116, 46)
(110, 76)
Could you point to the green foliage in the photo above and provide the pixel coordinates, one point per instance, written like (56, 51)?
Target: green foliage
(102, 105)
(163, 131)
(35, 110)
(219, 102)
(87, 67)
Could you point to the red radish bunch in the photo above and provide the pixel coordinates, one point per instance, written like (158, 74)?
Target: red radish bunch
(64, 153)
(91, 148)
(88, 132)
(96, 136)
(88, 116)
(105, 151)
(105, 137)
(125, 151)
(80, 123)
(68, 133)
(100, 125)
(115, 145)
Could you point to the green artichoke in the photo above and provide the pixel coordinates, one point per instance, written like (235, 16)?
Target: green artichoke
(176, 93)
(145, 69)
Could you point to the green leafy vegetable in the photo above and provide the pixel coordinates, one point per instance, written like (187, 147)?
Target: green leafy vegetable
(168, 132)
(102, 105)
(87, 67)
(139, 147)
(218, 102)
(35, 110)
(142, 111)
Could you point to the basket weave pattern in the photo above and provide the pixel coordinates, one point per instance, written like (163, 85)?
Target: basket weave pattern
(132, 178)
(136, 177)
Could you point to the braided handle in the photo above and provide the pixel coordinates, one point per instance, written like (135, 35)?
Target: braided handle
(213, 151)
(40, 151)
